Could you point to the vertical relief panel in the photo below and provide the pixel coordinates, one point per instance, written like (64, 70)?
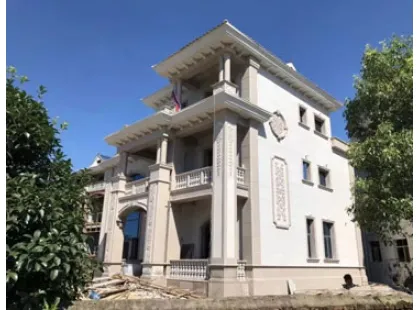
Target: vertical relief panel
(280, 193)
(150, 223)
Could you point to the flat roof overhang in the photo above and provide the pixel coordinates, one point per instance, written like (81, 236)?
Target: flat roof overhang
(190, 117)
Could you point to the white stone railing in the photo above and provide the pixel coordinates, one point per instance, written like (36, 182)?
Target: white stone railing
(240, 270)
(196, 269)
(240, 174)
(193, 178)
(96, 186)
(137, 187)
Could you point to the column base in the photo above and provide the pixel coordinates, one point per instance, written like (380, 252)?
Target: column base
(224, 282)
(154, 273)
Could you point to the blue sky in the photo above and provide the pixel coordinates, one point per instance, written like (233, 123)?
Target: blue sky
(95, 57)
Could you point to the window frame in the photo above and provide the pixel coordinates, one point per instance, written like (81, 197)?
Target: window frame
(405, 248)
(303, 120)
(328, 182)
(322, 120)
(312, 254)
(333, 244)
(309, 179)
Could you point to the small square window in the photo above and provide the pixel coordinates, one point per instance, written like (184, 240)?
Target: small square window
(306, 167)
(402, 250)
(328, 229)
(375, 249)
(302, 115)
(319, 125)
(324, 177)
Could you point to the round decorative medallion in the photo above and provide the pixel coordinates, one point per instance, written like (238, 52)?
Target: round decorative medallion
(278, 125)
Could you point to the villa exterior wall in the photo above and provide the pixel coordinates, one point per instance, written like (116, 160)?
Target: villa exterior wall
(288, 247)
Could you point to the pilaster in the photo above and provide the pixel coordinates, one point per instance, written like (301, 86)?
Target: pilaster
(224, 203)
(249, 81)
(114, 231)
(155, 252)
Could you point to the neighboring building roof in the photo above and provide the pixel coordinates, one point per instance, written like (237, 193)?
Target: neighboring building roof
(99, 158)
(226, 34)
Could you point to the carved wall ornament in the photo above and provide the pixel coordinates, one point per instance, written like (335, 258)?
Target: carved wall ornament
(278, 125)
(280, 193)
(150, 223)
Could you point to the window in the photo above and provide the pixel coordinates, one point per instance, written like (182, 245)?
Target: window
(302, 115)
(306, 167)
(319, 125)
(328, 229)
(324, 177)
(375, 250)
(402, 250)
(310, 232)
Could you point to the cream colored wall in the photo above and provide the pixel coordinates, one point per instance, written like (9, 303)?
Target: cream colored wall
(189, 218)
(140, 166)
(288, 247)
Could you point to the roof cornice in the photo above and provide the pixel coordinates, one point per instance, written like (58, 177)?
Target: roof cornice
(227, 33)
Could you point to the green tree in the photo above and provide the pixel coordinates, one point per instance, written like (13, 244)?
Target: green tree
(47, 259)
(380, 126)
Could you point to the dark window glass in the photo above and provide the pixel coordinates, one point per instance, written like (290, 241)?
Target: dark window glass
(375, 249)
(323, 177)
(328, 243)
(319, 125)
(402, 250)
(306, 170)
(310, 237)
(302, 115)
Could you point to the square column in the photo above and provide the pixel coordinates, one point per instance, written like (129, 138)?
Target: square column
(224, 205)
(114, 239)
(158, 216)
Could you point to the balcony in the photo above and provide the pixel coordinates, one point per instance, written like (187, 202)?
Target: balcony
(96, 186)
(193, 178)
(137, 187)
(203, 176)
(93, 222)
(189, 269)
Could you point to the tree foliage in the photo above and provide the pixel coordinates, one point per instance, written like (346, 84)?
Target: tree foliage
(47, 258)
(380, 125)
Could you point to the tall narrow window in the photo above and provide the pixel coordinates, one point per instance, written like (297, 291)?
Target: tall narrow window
(302, 115)
(328, 229)
(402, 250)
(306, 167)
(319, 125)
(310, 232)
(324, 177)
(375, 249)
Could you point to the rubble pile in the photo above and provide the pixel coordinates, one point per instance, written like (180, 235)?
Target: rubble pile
(128, 287)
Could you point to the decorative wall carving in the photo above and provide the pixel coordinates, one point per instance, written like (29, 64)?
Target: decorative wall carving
(150, 223)
(278, 125)
(219, 126)
(280, 190)
(230, 154)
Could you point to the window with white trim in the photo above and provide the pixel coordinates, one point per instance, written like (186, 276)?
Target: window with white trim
(306, 170)
(319, 125)
(324, 177)
(329, 239)
(310, 237)
(302, 115)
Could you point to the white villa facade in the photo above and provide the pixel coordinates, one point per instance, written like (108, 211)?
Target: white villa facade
(242, 192)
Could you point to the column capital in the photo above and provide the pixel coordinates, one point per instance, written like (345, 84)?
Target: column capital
(253, 62)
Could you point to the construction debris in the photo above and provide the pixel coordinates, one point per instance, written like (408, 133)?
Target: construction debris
(128, 287)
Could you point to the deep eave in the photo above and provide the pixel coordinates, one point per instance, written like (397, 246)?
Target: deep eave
(226, 35)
